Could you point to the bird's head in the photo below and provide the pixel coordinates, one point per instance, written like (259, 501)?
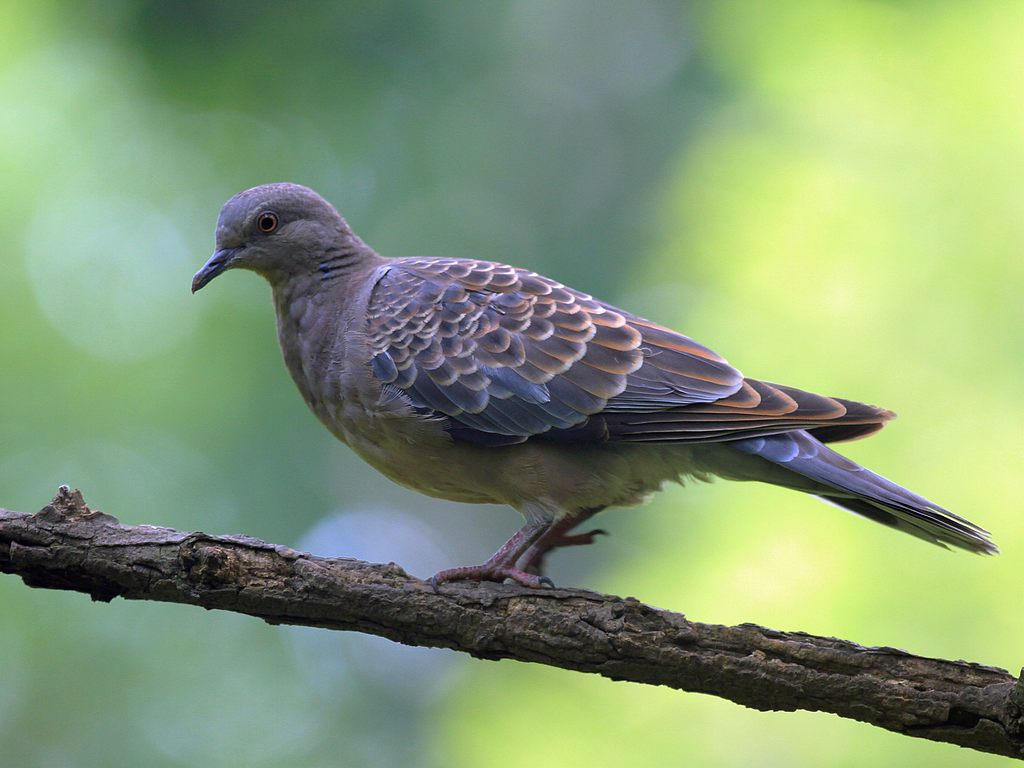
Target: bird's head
(278, 231)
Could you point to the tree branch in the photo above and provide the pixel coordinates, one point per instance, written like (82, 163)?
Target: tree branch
(69, 546)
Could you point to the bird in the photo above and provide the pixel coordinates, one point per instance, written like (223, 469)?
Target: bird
(476, 381)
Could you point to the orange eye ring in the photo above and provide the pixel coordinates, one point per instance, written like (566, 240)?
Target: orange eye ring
(267, 222)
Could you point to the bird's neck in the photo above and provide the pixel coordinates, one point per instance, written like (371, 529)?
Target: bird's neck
(316, 313)
(324, 272)
(343, 259)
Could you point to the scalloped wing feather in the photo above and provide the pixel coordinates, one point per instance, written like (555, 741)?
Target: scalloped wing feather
(507, 354)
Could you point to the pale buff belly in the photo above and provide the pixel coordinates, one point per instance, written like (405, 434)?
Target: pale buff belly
(410, 450)
(538, 478)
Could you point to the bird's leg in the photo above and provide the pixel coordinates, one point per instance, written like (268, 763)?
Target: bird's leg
(557, 535)
(502, 564)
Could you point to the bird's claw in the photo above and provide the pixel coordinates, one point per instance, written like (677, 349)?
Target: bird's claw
(485, 572)
(578, 539)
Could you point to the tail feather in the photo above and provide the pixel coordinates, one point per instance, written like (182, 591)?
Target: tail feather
(849, 485)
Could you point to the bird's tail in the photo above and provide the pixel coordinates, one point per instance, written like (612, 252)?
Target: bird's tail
(812, 467)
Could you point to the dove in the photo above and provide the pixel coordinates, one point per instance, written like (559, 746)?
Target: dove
(481, 382)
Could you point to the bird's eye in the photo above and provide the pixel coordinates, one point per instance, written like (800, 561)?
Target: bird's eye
(266, 222)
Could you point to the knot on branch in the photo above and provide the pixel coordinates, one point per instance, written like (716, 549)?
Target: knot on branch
(68, 506)
(209, 565)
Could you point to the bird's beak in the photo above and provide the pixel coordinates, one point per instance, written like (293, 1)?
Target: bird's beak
(220, 261)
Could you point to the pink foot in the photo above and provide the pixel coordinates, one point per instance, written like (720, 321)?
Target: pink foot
(557, 535)
(487, 572)
(502, 564)
(521, 558)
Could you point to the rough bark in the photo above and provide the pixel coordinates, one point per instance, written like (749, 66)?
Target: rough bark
(69, 546)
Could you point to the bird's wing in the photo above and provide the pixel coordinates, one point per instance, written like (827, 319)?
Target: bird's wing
(507, 355)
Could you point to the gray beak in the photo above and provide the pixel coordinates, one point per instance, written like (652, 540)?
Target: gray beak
(220, 261)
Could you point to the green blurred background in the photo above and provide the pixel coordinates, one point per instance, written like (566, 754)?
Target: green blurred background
(829, 193)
